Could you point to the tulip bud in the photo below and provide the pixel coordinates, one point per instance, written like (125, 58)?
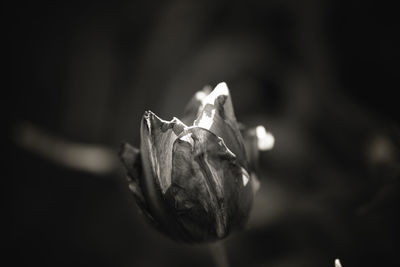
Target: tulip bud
(192, 179)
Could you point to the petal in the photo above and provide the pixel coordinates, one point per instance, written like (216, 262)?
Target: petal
(157, 138)
(217, 115)
(130, 156)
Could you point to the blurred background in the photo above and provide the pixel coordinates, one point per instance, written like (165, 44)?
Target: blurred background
(321, 76)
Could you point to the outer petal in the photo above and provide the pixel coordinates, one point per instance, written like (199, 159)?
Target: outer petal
(157, 137)
(217, 115)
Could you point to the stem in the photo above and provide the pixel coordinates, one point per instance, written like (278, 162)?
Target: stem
(219, 255)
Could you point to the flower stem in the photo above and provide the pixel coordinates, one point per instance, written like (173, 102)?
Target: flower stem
(219, 254)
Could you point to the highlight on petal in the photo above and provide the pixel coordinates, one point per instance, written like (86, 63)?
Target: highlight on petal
(245, 177)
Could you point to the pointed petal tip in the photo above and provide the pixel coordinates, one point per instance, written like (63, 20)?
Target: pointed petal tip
(221, 89)
(222, 85)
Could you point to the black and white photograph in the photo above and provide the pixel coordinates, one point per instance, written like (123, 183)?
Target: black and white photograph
(214, 133)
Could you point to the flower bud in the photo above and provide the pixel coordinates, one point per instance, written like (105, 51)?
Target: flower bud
(192, 178)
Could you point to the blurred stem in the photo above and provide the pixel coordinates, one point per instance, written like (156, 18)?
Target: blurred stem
(219, 254)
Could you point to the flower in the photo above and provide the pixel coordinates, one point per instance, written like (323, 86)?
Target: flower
(192, 178)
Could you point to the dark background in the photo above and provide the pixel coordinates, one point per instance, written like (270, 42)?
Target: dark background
(320, 75)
